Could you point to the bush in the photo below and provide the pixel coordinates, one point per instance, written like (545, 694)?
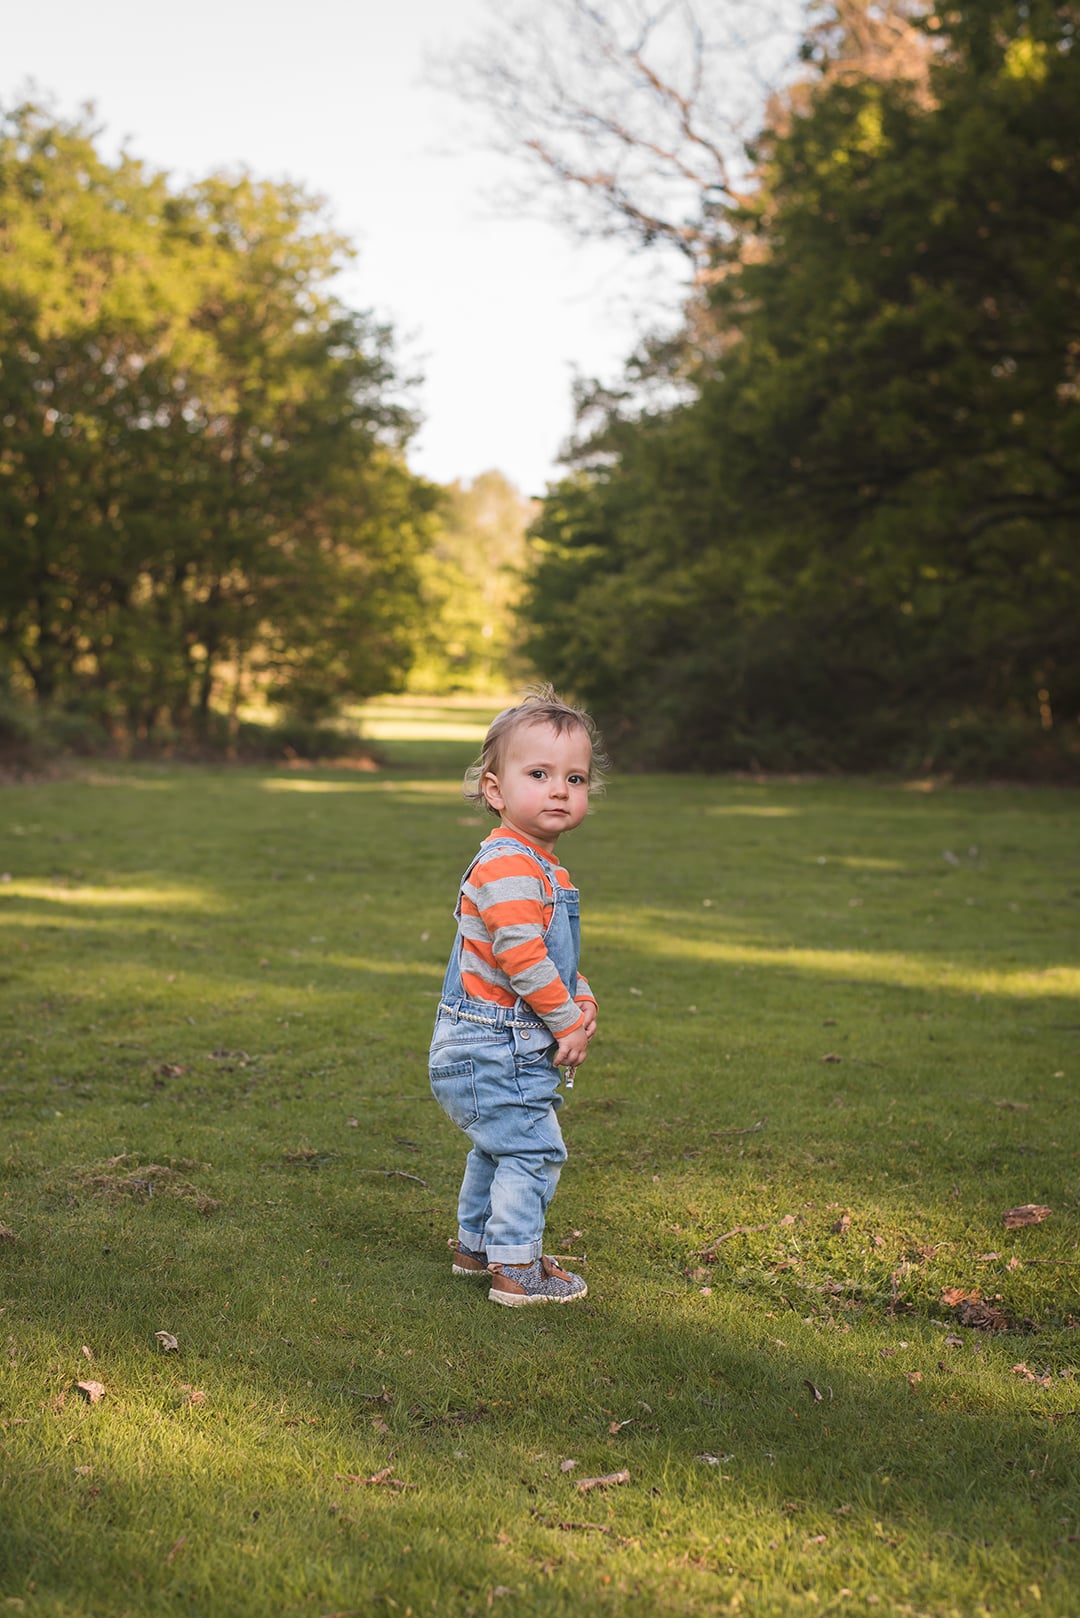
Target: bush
(32, 734)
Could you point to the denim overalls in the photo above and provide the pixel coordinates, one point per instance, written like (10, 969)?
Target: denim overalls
(491, 1072)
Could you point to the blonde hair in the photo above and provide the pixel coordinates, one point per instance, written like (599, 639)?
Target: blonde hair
(540, 706)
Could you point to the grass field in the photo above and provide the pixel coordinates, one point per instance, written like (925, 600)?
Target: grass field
(840, 1037)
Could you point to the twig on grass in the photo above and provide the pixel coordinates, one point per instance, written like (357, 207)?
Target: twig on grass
(605, 1482)
(752, 1130)
(398, 1174)
(384, 1477)
(583, 1528)
(737, 1230)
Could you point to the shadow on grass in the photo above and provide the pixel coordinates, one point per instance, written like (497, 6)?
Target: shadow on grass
(314, 904)
(958, 1485)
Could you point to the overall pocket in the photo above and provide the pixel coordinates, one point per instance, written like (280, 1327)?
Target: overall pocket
(454, 1087)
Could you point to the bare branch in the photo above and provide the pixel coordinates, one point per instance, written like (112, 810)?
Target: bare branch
(633, 116)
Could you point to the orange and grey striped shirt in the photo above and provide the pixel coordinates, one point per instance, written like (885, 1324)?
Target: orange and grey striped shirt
(506, 905)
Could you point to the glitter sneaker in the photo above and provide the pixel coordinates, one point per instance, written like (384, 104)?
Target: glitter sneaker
(542, 1281)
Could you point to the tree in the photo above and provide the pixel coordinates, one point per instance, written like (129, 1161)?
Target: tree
(632, 116)
(857, 544)
(202, 477)
(471, 583)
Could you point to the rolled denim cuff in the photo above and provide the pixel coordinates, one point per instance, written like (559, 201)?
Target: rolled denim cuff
(515, 1255)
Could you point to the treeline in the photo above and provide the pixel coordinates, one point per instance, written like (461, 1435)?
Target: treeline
(203, 485)
(850, 536)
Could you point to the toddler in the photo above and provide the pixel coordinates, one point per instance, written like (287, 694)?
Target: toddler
(514, 1007)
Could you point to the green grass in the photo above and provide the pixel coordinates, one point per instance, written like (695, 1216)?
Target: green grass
(214, 1121)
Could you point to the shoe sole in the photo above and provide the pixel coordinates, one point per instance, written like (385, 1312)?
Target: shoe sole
(516, 1300)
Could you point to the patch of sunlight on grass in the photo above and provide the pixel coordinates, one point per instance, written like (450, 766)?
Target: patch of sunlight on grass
(142, 783)
(163, 896)
(394, 728)
(273, 784)
(858, 862)
(463, 717)
(761, 811)
(906, 971)
(428, 789)
(385, 968)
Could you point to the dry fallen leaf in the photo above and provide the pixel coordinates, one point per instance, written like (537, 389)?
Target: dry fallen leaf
(1032, 1213)
(952, 1341)
(913, 1379)
(815, 1393)
(93, 1392)
(954, 1296)
(167, 1342)
(567, 1466)
(831, 1056)
(617, 1426)
(605, 1482)
(195, 1396)
(1045, 1381)
(982, 1316)
(841, 1226)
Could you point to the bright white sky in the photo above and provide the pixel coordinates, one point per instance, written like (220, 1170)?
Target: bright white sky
(496, 313)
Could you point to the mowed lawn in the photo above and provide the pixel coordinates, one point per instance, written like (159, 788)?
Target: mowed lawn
(839, 1039)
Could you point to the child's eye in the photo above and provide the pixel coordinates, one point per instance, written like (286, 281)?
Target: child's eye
(578, 780)
(537, 775)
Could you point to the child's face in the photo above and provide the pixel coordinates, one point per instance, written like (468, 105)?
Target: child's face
(541, 788)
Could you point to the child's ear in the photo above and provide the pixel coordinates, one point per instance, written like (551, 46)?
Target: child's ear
(489, 786)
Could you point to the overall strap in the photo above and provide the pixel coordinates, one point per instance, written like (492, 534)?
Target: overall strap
(513, 845)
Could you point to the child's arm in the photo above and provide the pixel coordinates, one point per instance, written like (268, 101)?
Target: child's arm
(588, 1011)
(587, 1001)
(502, 923)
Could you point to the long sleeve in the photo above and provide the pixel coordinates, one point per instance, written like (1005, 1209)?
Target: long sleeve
(505, 908)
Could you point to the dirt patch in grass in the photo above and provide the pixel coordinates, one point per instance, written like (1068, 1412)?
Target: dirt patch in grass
(124, 1178)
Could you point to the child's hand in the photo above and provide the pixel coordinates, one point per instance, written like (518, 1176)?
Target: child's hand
(572, 1048)
(588, 1008)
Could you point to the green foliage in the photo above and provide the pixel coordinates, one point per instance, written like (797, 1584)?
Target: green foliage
(858, 540)
(470, 586)
(202, 488)
(214, 1122)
